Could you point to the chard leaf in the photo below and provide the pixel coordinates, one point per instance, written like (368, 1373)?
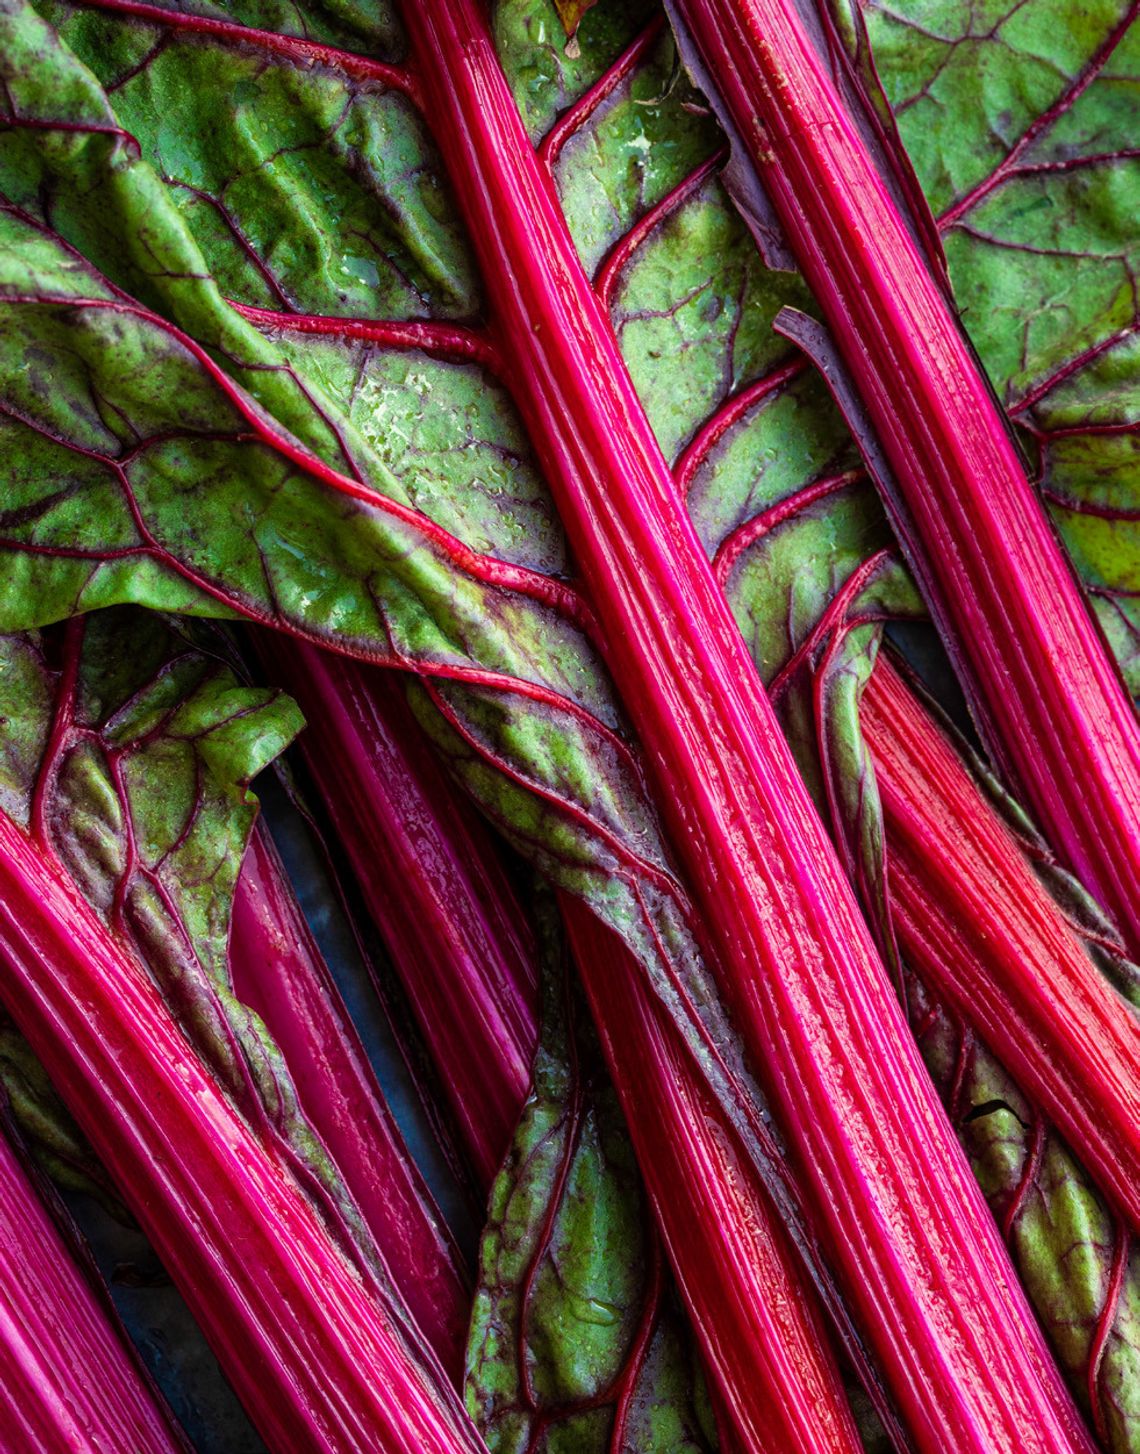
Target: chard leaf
(576, 1340)
(545, 73)
(1032, 171)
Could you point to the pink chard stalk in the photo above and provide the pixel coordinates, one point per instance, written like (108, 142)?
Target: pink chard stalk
(68, 1376)
(1045, 692)
(759, 1326)
(466, 956)
(278, 971)
(319, 1361)
(797, 965)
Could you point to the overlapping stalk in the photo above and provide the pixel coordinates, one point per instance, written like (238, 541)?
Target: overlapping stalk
(795, 959)
(278, 971)
(1045, 692)
(319, 1359)
(761, 1331)
(466, 956)
(68, 1377)
(756, 845)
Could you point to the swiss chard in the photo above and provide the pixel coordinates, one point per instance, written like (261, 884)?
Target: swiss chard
(68, 1376)
(1046, 694)
(533, 710)
(140, 793)
(318, 1350)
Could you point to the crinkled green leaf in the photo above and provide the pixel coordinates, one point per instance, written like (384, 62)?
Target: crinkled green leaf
(632, 153)
(74, 163)
(467, 464)
(163, 498)
(575, 1324)
(374, 236)
(546, 74)
(1020, 119)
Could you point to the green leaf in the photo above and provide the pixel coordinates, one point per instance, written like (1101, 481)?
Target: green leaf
(545, 73)
(575, 1323)
(1021, 123)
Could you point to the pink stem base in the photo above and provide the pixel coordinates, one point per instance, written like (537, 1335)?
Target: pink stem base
(318, 1362)
(278, 971)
